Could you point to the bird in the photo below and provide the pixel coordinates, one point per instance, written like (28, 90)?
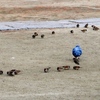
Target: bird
(95, 28)
(66, 67)
(77, 51)
(17, 72)
(76, 67)
(42, 36)
(59, 69)
(86, 25)
(77, 25)
(13, 72)
(33, 36)
(53, 32)
(84, 30)
(10, 73)
(1, 72)
(71, 31)
(46, 69)
(35, 33)
(92, 25)
(76, 60)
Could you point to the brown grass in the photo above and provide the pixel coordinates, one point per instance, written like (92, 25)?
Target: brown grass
(46, 13)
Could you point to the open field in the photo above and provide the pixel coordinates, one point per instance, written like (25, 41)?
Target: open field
(31, 56)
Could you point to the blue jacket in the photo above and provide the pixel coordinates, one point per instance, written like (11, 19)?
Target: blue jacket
(77, 51)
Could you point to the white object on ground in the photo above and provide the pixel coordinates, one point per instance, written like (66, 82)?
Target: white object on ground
(12, 57)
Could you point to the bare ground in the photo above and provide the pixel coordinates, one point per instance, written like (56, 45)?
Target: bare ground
(31, 56)
(48, 10)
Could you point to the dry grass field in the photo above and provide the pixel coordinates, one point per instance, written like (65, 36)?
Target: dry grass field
(13, 10)
(31, 56)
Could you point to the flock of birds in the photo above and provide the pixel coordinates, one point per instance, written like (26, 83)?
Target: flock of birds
(42, 36)
(14, 72)
(71, 31)
(59, 69)
(67, 67)
(95, 28)
(76, 59)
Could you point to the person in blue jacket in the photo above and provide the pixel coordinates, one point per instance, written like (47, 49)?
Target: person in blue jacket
(77, 51)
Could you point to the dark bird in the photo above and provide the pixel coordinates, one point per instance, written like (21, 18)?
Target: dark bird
(92, 26)
(76, 60)
(46, 69)
(53, 32)
(71, 31)
(1, 72)
(10, 73)
(59, 69)
(35, 33)
(13, 72)
(17, 72)
(66, 67)
(76, 67)
(86, 26)
(84, 30)
(42, 36)
(77, 25)
(33, 36)
(95, 28)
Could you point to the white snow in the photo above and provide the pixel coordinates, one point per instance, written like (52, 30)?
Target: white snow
(47, 24)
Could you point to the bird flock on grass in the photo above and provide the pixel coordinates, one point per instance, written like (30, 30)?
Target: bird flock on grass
(11, 72)
(76, 52)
